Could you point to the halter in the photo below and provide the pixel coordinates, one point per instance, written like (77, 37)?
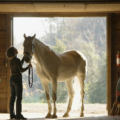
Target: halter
(33, 49)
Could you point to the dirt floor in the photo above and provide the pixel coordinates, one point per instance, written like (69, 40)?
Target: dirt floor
(89, 109)
(38, 110)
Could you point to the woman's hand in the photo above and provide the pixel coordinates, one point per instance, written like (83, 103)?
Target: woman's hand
(30, 65)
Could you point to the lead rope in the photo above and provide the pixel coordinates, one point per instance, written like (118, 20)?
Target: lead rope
(30, 82)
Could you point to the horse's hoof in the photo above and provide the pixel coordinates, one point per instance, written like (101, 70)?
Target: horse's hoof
(66, 115)
(82, 115)
(48, 115)
(54, 116)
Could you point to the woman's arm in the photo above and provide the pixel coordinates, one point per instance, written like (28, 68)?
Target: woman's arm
(20, 66)
(22, 61)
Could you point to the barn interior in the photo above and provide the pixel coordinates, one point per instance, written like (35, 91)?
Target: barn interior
(9, 9)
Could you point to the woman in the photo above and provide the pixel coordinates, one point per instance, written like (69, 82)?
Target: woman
(16, 87)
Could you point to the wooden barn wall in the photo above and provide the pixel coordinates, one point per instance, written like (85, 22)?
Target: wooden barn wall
(115, 46)
(4, 70)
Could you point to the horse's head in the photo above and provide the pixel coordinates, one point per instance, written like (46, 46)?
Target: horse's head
(29, 47)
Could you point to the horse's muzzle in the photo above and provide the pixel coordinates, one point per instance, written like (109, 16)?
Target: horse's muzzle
(27, 59)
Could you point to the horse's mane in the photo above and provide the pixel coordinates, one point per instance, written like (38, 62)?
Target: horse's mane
(44, 46)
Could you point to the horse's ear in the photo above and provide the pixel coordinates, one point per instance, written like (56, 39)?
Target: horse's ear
(34, 36)
(24, 35)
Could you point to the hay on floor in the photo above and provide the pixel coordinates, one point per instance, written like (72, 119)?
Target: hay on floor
(115, 109)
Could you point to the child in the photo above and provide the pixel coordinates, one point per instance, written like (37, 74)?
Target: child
(16, 87)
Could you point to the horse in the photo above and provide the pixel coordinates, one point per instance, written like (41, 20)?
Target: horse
(52, 67)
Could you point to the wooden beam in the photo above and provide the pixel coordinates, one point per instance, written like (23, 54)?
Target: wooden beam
(86, 1)
(57, 7)
(60, 14)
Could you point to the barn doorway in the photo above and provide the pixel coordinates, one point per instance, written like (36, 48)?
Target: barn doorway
(85, 34)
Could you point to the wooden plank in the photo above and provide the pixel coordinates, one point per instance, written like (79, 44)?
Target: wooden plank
(115, 68)
(3, 75)
(115, 47)
(3, 95)
(114, 84)
(2, 61)
(3, 69)
(2, 40)
(3, 88)
(116, 18)
(114, 79)
(2, 22)
(2, 26)
(115, 76)
(3, 34)
(3, 105)
(2, 48)
(3, 100)
(116, 26)
(114, 89)
(116, 33)
(3, 18)
(116, 40)
(3, 81)
(3, 108)
(114, 63)
(2, 55)
(114, 94)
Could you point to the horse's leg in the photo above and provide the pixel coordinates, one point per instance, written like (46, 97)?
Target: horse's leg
(54, 97)
(81, 79)
(46, 88)
(71, 93)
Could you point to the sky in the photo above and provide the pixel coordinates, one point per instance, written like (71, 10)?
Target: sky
(29, 26)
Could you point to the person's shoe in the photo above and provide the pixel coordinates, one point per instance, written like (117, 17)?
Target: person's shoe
(21, 117)
(12, 116)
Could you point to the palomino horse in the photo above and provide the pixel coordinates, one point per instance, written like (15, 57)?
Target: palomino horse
(52, 67)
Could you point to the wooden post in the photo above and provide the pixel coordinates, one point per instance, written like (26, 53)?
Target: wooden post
(109, 63)
(8, 44)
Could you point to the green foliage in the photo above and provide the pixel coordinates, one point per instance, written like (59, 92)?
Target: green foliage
(87, 35)
(98, 91)
(59, 47)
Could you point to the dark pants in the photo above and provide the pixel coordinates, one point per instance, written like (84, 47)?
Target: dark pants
(16, 91)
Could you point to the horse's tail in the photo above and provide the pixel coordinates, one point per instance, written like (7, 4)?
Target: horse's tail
(76, 99)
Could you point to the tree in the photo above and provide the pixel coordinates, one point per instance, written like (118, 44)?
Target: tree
(87, 35)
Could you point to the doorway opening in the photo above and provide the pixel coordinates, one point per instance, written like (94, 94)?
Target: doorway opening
(85, 34)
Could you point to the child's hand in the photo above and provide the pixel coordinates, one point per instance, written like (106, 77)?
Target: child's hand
(30, 65)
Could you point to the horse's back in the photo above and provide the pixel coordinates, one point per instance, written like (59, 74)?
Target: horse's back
(70, 63)
(78, 58)
(73, 55)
